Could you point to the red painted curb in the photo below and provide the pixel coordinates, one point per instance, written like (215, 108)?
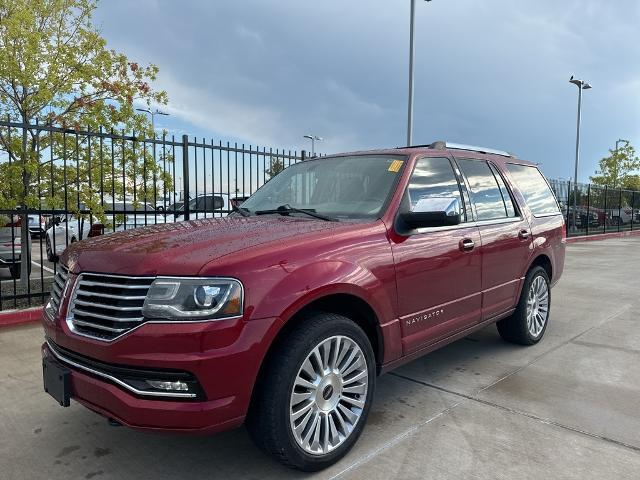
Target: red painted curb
(19, 317)
(603, 236)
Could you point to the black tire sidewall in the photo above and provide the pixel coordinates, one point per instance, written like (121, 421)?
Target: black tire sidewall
(335, 325)
(522, 305)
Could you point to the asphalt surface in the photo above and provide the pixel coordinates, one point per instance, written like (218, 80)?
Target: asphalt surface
(479, 408)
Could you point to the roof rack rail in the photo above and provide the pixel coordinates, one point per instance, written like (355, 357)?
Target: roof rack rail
(443, 145)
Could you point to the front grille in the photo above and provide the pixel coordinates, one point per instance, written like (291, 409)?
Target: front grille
(59, 282)
(107, 306)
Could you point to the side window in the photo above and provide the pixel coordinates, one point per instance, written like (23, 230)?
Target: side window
(485, 190)
(433, 177)
(508, 202)
(534, 189)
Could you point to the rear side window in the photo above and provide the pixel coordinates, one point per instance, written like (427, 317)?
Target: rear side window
(486, 192)
(534, 188)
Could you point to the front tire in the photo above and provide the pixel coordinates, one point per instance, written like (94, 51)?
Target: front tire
(314, 394)
(529, 322)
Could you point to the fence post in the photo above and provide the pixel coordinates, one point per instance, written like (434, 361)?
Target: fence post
(633, 210)
(620, 210)
(185, 174)
(588, 208)
(568, 228)
(606, 194)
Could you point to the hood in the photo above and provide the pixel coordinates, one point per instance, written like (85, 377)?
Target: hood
(184, 248)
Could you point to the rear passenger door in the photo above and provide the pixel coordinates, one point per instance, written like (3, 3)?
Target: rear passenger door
(505, 235)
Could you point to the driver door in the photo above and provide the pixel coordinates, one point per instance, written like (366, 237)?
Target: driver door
(437, 268)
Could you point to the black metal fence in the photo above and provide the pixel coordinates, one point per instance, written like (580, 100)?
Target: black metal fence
(84, 182)
(594, 209)
(81, 183)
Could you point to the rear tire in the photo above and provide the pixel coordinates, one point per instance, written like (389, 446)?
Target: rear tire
(529, 322)
(324, 366)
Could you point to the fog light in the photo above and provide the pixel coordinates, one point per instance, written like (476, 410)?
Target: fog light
(164, 385)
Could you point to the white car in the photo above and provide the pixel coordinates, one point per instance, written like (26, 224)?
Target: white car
(71, 228)
(207, 206)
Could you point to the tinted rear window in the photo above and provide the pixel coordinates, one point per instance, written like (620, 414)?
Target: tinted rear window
(534, 188)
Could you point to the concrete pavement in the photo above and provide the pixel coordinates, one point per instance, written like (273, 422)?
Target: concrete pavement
(479, 408)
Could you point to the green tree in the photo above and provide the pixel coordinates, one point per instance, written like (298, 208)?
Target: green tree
(276, 165)
(55, 68)
(619, 169)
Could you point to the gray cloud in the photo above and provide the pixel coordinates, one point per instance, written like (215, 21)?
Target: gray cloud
(492, 72)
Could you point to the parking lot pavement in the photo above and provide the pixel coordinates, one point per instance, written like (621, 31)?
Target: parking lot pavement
(568, 407)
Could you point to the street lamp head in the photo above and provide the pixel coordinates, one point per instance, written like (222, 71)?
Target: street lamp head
(580, 83)
(143, 110)
(310, 137)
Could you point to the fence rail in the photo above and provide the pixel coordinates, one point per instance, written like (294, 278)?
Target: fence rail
(593, 209)
(86, 182)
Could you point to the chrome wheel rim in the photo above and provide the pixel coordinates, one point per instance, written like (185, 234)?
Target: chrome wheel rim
(537, 306)
(329, 394)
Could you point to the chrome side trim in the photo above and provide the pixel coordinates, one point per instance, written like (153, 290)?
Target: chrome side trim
(119, 382)
(480, 223)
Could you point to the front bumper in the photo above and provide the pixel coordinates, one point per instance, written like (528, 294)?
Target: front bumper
(8, 257)
(223, 357)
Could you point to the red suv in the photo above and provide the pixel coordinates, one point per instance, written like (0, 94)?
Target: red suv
(282, 314)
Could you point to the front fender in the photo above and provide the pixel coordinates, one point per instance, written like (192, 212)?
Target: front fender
(320, 279)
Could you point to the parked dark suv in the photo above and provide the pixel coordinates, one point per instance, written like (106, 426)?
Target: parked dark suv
(282, 314)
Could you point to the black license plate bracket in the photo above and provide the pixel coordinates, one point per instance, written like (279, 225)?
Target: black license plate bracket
(57, 381)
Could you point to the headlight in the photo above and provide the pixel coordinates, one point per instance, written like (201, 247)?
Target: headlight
(193, 299)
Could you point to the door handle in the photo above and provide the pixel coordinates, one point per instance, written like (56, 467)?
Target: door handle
(467, 244)
(523, 234)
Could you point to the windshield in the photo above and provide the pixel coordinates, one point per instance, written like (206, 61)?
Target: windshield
(340, 187)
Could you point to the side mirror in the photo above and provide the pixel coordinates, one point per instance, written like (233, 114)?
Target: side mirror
(433, 212)
(56, 221)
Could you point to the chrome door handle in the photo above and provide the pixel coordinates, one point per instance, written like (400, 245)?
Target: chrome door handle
(467, 244)
(523, 234)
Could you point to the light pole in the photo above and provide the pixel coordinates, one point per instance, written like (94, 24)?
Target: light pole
(582, 85)
(412, 52)
(153, 114)
(313, 139)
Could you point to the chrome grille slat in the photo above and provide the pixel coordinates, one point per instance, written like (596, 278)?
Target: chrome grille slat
(87, 283)
(115, 297)
(79, 311)
(105, 306)
(82, 323)
(59, 280)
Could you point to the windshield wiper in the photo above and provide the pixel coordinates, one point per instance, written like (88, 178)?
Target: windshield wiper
(286, 209)
(241, 210)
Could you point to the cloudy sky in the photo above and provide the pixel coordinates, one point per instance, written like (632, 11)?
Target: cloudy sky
(488, 72)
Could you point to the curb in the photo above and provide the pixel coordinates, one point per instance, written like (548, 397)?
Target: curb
(603, 236)
(20, 317)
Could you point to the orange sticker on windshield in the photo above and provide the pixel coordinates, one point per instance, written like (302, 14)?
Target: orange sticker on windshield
(395, 166)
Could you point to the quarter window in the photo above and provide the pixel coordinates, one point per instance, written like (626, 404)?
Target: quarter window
(486, 194)
(534, 188)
